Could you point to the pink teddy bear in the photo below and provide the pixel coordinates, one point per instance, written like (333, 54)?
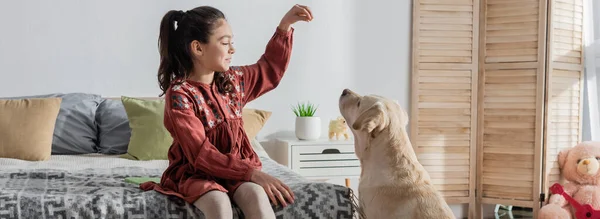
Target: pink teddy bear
(579, 166)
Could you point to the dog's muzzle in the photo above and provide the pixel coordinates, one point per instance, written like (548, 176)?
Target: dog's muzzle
(345, 92)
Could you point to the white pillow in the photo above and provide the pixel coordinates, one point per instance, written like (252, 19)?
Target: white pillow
(258, 148)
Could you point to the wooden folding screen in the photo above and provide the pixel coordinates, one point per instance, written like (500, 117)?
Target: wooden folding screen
(513, 48)
(496, 94)
(565, 82)
(444, 94)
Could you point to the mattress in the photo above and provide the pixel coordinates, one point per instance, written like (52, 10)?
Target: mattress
(93, 186)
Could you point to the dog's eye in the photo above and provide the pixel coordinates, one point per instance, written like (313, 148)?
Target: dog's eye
(358, 103)
(578, 160)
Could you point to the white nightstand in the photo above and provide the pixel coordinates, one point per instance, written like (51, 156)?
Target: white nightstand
(319, 159)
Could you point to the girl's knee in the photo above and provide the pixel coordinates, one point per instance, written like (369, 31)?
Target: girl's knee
(253, 201)
(250, 191)
(215, 204)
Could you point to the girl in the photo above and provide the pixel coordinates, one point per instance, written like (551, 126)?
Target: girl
(211, 160)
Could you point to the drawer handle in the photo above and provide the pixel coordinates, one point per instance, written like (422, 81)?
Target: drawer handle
(331, 151)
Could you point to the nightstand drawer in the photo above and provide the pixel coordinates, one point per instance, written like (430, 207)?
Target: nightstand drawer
(325, 160)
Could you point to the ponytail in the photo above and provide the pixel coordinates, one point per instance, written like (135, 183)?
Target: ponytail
(170, 66)
(177, 30)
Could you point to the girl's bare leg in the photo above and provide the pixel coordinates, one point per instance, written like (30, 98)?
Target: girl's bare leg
(253, 201)
(215, 204)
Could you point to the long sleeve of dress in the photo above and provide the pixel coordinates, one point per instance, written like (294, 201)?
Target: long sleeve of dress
(188, 130)
(264, 76)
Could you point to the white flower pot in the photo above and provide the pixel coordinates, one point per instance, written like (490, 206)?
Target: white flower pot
(308, 128)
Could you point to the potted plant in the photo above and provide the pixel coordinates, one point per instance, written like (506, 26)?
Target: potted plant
(308, 126)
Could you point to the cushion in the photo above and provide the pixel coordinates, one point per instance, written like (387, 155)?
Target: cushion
(149, 140)
(254, 121)
(75, 131)
(143, 126)
(139, 180)
(26, 128)
(258, 148)
(113, 127)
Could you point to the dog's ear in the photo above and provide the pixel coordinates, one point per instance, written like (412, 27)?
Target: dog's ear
(372, 120)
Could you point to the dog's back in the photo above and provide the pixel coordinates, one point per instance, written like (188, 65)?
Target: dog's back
(400, 190)
(392, 203)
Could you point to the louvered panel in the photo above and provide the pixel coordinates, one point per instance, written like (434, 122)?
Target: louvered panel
(511, 31)
(565, 82)
(444, 93)
(511, 102)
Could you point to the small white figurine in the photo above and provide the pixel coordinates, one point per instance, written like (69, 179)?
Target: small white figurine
(338, 127)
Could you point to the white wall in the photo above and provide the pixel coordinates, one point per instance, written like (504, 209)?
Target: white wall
(356, 45)
(109, 47)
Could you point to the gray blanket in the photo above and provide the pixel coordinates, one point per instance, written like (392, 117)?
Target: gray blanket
(102, 193)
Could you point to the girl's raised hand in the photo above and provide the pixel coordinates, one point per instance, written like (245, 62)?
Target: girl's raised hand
(297, 13)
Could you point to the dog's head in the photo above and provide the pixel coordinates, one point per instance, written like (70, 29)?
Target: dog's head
(371, 114)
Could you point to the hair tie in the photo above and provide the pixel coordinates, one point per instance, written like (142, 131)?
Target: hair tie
(178, 16)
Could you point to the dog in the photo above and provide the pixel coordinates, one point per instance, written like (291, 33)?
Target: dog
(393, 184)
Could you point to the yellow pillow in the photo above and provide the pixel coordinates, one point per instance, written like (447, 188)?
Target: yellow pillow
(27, 128)
(254, 121)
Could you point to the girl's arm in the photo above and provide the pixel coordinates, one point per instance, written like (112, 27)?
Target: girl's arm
(264, 76)
(187, 129)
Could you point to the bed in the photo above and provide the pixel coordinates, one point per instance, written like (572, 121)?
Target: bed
(93, 186)
(64, 160)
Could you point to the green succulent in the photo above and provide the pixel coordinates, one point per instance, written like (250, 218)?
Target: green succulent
(304, 109)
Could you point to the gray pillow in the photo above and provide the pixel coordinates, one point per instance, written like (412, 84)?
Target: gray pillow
(75, 131)
(113, 127)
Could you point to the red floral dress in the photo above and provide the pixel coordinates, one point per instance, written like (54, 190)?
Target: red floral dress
(210, 149)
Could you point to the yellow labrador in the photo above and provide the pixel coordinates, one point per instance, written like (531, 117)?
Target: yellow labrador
(393, 184)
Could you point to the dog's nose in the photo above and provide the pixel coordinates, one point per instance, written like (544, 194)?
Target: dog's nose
(345, 92)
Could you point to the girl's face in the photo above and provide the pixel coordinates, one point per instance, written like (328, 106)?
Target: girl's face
(217, 53)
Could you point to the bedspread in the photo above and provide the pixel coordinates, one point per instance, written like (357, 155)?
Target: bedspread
(102, 193)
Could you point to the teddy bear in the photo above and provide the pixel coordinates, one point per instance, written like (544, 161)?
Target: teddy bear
(338, 127)
(579, 166)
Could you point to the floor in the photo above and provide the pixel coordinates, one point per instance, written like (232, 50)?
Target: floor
(503, 213)
(516, 212)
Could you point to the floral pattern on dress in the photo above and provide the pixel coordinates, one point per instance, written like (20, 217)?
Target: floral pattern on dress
(234, 99)
(199, 101)
(237, 70)
(211, 107)
(242, 91)
(179, 102)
